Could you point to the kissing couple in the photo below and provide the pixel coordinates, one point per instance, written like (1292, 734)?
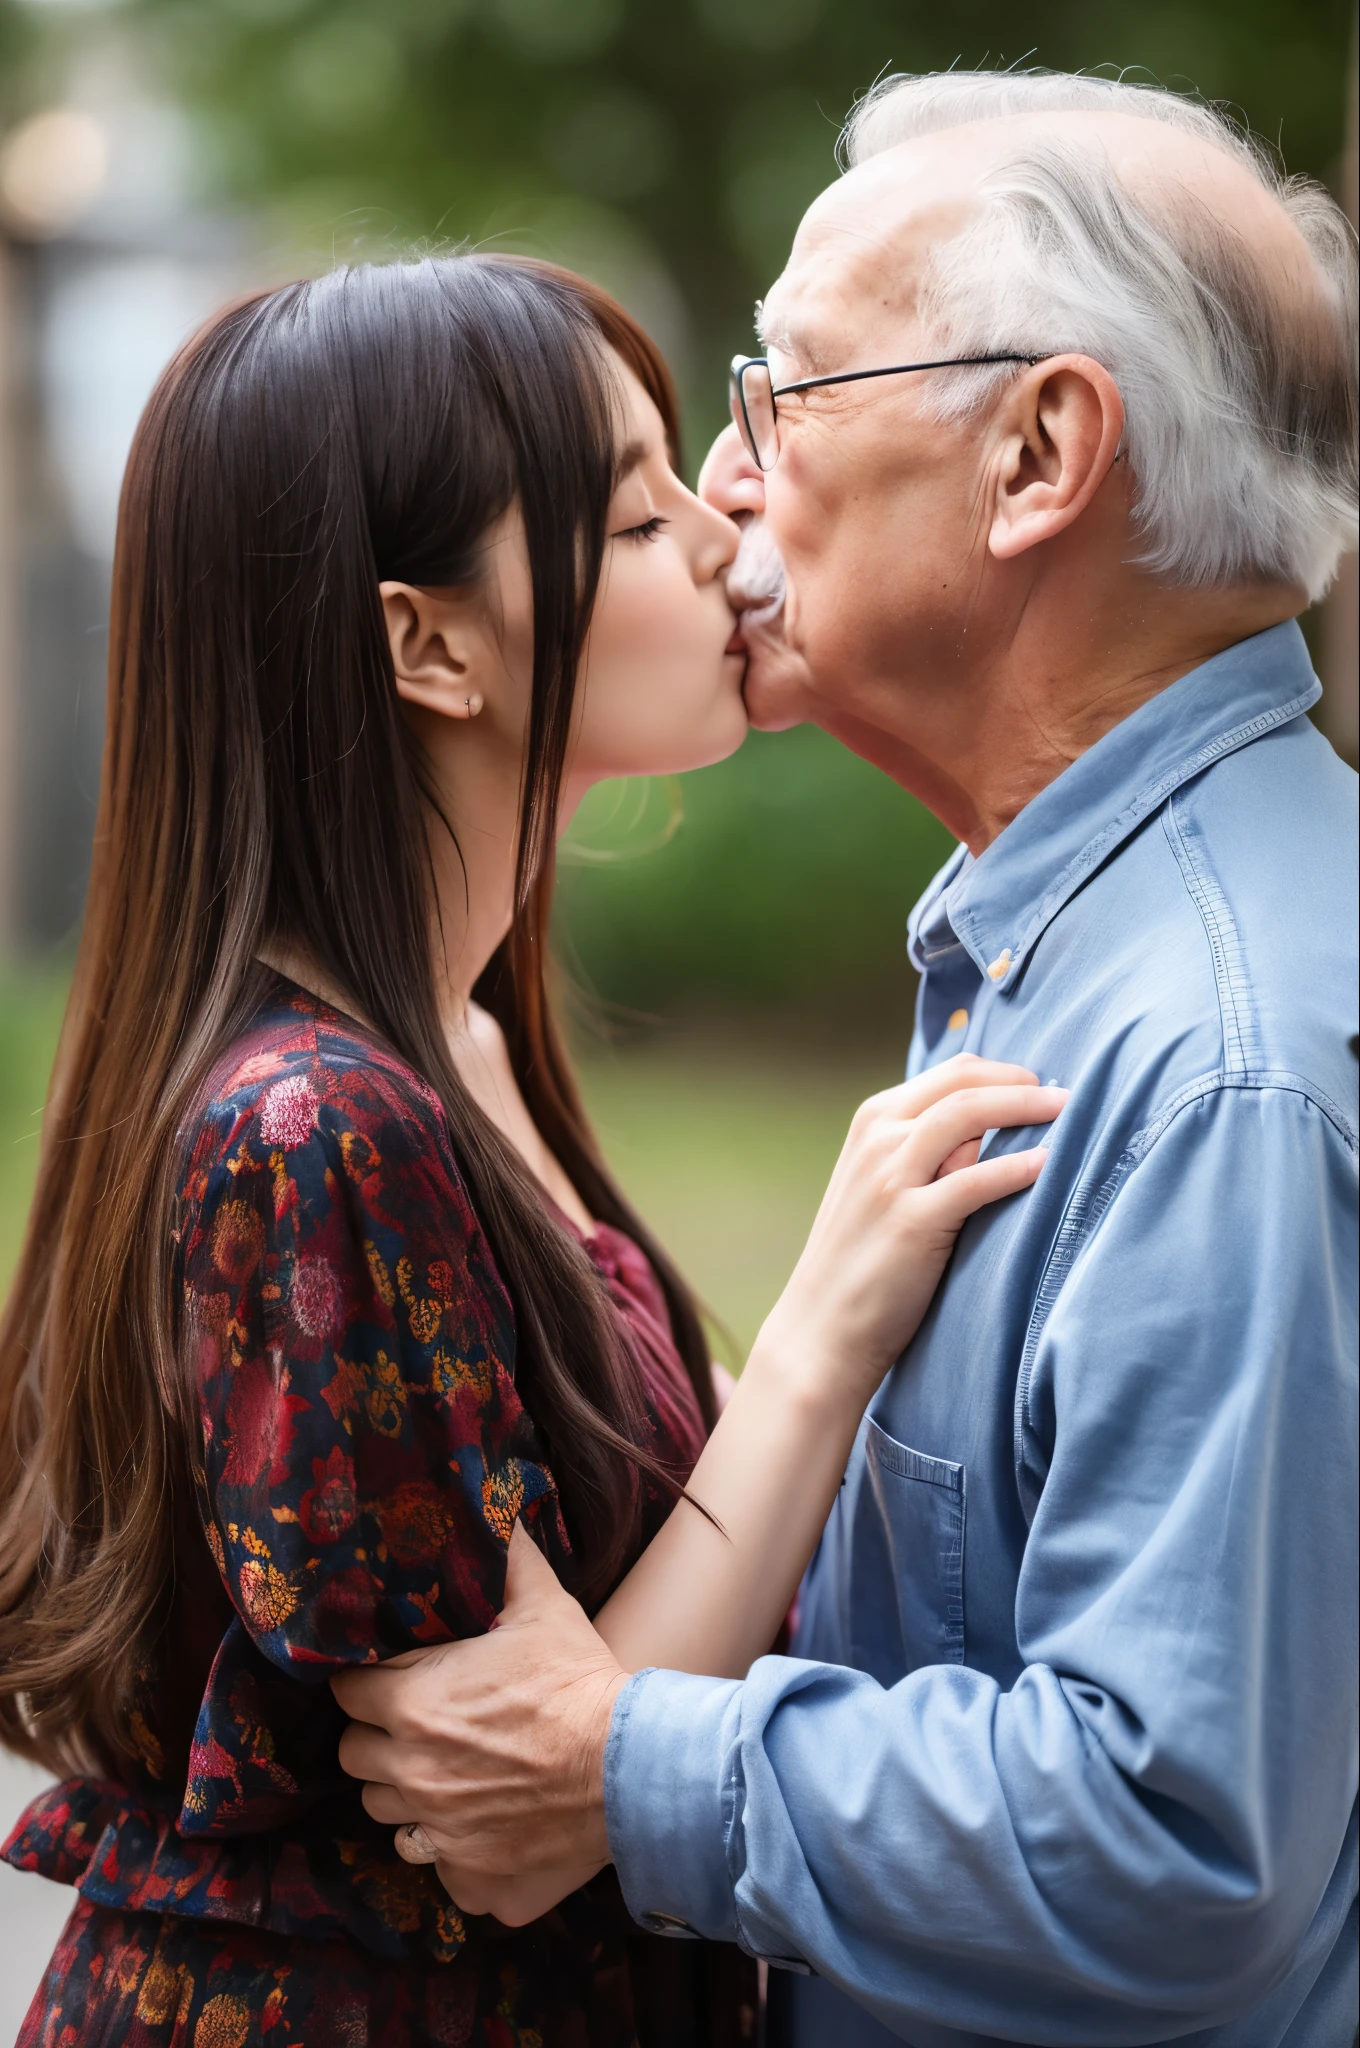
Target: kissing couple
(405, 1622)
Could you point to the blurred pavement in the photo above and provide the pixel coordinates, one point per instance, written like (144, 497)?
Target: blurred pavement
(32, 1911)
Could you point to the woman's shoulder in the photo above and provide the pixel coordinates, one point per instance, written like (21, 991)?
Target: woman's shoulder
(297, 1054)
(315, 1144)
(305, 1088)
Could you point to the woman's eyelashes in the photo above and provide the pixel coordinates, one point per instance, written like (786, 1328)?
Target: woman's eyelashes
(648, 530)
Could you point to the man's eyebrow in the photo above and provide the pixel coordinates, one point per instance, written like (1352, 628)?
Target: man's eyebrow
(794, 341)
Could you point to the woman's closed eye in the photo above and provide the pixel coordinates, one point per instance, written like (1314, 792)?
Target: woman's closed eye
(648, 530)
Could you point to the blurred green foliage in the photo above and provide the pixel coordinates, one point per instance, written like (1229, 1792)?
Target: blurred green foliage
(728, 1157)
(667, 148)
(786, 883)
(32, 1000)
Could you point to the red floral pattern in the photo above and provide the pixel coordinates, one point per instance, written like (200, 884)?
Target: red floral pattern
(366, 1456)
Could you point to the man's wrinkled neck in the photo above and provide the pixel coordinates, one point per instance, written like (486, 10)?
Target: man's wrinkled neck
(975, 745)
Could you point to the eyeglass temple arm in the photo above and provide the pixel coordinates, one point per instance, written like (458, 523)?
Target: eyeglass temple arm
(893, 370)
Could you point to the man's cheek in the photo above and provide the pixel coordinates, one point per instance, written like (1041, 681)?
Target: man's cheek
(804, 492)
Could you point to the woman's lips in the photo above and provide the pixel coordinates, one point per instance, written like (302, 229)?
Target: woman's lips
(736, 645)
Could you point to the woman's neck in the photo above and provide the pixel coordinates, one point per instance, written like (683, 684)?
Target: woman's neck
(474, 895)
(471, 915)
(477, 787)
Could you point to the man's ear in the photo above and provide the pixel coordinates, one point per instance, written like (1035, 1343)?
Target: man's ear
(439, 648)
(1062, 424)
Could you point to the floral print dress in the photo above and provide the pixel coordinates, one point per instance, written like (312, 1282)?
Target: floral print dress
(366, 1456)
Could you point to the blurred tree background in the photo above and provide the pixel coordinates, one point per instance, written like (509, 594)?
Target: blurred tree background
(667, 150)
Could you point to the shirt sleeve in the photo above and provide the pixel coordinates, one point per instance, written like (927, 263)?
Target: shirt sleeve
(1147, 1830)
(366, 1454)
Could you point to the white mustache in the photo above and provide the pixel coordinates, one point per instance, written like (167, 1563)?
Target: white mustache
(755, 581)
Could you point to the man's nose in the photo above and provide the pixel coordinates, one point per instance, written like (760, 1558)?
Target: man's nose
(729, 480)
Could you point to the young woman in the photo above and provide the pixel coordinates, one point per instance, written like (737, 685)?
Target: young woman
(327, 1287)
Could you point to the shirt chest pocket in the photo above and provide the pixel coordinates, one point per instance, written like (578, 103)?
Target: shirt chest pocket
(906, 1600)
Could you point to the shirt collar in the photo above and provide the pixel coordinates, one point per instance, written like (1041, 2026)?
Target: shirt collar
(997, 906)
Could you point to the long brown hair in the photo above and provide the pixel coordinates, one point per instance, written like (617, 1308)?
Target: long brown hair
(260, 786)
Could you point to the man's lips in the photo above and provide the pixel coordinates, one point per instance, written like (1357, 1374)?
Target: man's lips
(762, 618)
(761, 614)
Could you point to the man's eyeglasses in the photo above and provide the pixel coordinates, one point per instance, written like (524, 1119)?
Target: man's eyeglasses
(755, 400)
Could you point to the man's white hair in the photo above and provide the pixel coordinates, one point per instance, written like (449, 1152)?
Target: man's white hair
(1240, 405)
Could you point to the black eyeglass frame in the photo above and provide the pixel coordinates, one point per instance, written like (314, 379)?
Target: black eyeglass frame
(741, 364)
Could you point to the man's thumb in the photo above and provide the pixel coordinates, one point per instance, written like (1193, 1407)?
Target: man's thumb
(530, 1581)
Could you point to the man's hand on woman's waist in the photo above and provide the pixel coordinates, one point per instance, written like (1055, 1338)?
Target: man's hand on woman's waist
(494, 1748)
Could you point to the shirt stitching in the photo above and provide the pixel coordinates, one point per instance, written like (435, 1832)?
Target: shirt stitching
(1236, 1011)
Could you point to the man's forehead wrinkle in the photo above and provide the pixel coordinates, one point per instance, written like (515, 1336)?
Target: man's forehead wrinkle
(870, 237)
(804, 316)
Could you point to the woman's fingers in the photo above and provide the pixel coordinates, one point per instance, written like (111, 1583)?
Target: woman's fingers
(959, 1195)
(962, 1155)
(965, 1070)
(967, 1114)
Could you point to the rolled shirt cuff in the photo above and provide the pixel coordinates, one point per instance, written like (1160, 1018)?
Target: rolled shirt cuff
(670, 1801)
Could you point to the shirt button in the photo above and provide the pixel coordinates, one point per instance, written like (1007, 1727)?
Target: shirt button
(1001, 963)
(958, 1020)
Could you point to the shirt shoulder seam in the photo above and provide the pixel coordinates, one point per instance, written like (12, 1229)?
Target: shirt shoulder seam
(1241, 1050)
(1089, 1201)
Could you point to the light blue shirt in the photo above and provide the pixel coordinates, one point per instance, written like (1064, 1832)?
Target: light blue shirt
(1067, 1750)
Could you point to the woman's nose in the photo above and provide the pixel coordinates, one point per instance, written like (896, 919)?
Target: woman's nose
(729, 480)
(718, 536)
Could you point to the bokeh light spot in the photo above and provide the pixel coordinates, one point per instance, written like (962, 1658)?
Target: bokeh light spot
(52, 169)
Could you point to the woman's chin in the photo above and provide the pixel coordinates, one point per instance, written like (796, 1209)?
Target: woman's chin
(717, 741)
(703, 741)
(719, 738)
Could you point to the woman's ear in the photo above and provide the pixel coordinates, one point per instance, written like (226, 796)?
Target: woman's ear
(1063, 423)
(439, 648)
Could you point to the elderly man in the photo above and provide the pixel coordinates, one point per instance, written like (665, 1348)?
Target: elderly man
(1056, 437)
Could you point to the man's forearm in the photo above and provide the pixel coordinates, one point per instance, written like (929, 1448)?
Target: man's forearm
(945, 1853)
